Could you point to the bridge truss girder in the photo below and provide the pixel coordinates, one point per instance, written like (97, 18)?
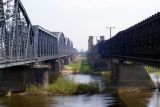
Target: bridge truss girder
(16, 35)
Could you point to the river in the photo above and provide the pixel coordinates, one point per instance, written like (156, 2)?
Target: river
(122, 99)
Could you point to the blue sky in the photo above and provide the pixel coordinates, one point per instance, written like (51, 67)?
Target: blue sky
(79, 19)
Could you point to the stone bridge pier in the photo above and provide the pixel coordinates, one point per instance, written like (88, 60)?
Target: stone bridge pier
(67, 60)
(56, 65)
(130, 75)
(17, 79)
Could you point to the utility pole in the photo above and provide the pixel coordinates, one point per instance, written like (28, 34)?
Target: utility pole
(110, 29)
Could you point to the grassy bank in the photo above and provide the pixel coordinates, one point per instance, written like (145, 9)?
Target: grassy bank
(79, 66)
(65, 87)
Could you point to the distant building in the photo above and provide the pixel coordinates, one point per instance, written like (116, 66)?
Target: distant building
(93, 56)
(102, 38)
(90, 44)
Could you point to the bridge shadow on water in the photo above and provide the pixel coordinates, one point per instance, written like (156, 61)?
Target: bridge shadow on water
(130, 97)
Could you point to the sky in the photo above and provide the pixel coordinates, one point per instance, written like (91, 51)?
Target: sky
(79, 19)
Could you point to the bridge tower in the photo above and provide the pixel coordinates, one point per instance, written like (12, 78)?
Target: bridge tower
(90, 44)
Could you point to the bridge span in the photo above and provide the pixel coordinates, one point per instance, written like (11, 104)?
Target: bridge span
(129, 50)
(139, 43)
(21, 43)
(29, 54)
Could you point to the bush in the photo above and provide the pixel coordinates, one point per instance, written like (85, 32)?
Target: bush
(34, 89)
(63, 86)
(69, 87)
(90, 88)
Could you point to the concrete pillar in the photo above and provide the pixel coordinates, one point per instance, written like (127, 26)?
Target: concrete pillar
(108, 64)
(71, 58)
(17, 79)
(12, 79)
(131, 75)
(58, 66)
(67, 60)
(45, 79)
(37, 76)
(115, 74)
(61, 64)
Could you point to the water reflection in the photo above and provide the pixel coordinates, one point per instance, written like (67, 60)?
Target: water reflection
(135, 98)
(155, 100)
(59, 101)
(83, 101)
(82, 78)
(129, 98)
(24, 101)
(154, 77)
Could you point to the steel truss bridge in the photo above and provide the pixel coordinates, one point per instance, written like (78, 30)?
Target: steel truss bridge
(21, 43)
(139, 43)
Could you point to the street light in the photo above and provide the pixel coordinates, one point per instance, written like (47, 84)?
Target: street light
(110, 29)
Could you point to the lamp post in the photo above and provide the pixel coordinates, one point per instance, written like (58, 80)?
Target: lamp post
(110, 29)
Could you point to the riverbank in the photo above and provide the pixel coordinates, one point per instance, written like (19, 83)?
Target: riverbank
(78, 66)
(63, 86)
(78, 88)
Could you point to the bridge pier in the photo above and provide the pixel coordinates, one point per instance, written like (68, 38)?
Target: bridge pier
(37, 75)
(72, 58)
(130, 75)
(56, 65)
(45, 78)
(17, 79)
(12, 80)
(67, 60)
(108, 64)
(61, 64)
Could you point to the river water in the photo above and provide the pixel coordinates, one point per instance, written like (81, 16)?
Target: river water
(121, 99)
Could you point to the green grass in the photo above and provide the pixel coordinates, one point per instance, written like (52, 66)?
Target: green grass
(152, 69)
(34, 89)
(79, 66)
(69, 87)
(64, 86)
(75, 66)
(85, 68)
(90, 88)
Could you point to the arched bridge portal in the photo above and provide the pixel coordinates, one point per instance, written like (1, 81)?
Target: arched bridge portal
(21, 43)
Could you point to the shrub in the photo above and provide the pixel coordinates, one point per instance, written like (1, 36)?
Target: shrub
(63, 86)
(34, 89)
(90, 88)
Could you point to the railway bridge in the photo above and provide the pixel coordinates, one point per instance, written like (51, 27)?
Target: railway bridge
(29, 54)
(130, 50)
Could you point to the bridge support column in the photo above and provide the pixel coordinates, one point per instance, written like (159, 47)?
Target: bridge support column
(45, 79)
(67, 60)
(61, 64)
(17, 79)
(12, 79)
(131, 75)
(108, 64)
(72, 58)
(56, 66)
(37, 75)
